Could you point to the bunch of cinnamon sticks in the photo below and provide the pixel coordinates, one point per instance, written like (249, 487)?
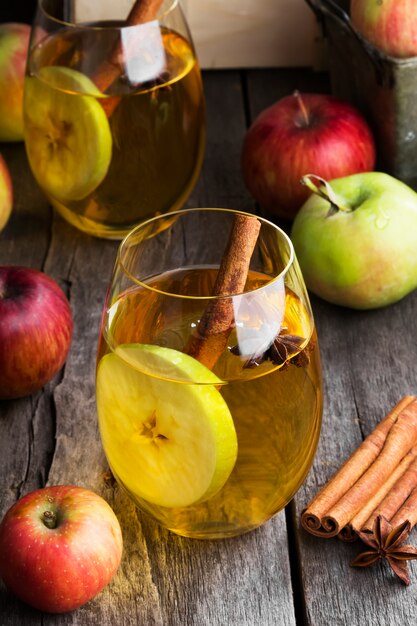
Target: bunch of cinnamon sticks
(379, 478)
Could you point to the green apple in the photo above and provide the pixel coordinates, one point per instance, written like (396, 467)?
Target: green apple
(356, 239)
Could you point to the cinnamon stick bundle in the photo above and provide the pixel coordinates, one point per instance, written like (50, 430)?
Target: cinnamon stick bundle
(376, 479)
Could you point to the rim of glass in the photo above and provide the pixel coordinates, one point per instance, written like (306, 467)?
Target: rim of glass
(140, 283)
(88, 26)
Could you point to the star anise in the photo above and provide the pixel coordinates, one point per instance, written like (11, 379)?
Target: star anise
(279, 352)
(283, 347)
(386, 542)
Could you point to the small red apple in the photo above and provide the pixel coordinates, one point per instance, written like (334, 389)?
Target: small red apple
(35, 330)
(14, 43)
(391, 25)
(6, 193)
(59, 547)
(302, 134)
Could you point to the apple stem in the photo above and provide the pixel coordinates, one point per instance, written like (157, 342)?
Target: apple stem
(302, 106)
(324, 191)
(49, 519)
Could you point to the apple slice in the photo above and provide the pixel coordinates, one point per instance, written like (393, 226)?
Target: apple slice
(68, 137)
(170, 443)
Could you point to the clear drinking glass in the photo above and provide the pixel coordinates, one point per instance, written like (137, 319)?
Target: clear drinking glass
(209, 447)
(113, 113)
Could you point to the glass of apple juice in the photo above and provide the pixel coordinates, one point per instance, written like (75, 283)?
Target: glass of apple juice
(113, 111)
(209, 391)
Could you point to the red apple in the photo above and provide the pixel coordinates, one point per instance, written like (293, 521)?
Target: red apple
(59, 547)
(302, 134)
(14, 43)
(391, 25)
(35, 330)
(6, 193)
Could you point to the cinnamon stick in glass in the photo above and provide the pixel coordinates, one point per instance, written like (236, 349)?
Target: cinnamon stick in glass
(364, 472)
(212, 332)
(141, 12)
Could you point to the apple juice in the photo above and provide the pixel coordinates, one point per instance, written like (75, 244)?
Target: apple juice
(275, 408)
(106, 172)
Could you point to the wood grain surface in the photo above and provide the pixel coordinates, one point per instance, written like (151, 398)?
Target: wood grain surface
(277, 575)
(369, 362)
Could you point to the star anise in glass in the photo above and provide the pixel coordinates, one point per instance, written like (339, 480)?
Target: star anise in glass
(386, 542)
(283, 347)
(279, 352)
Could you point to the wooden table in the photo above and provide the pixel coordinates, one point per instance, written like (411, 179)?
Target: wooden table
(277, 575)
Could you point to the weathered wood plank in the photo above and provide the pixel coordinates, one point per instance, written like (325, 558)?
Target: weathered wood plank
(367, 368)
(368, 365)
(236, 581)
(53, 437)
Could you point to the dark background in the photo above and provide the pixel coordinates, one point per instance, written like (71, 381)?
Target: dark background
(17, 10)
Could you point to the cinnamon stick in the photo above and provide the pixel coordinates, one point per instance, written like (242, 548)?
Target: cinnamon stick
(408, 511)
(141, 12)
(364, 519)
(216, 323)
(364, 472)
(396, 505)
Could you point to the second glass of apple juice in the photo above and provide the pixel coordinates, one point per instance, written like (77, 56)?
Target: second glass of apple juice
(113, 111)
(209, 403)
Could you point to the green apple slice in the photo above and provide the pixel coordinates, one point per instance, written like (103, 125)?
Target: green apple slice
(171, 443)
(67, 133)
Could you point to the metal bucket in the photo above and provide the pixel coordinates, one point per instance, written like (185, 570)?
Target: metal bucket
(383, 88)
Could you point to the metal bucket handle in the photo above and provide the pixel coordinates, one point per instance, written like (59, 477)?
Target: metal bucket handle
(331, 9)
